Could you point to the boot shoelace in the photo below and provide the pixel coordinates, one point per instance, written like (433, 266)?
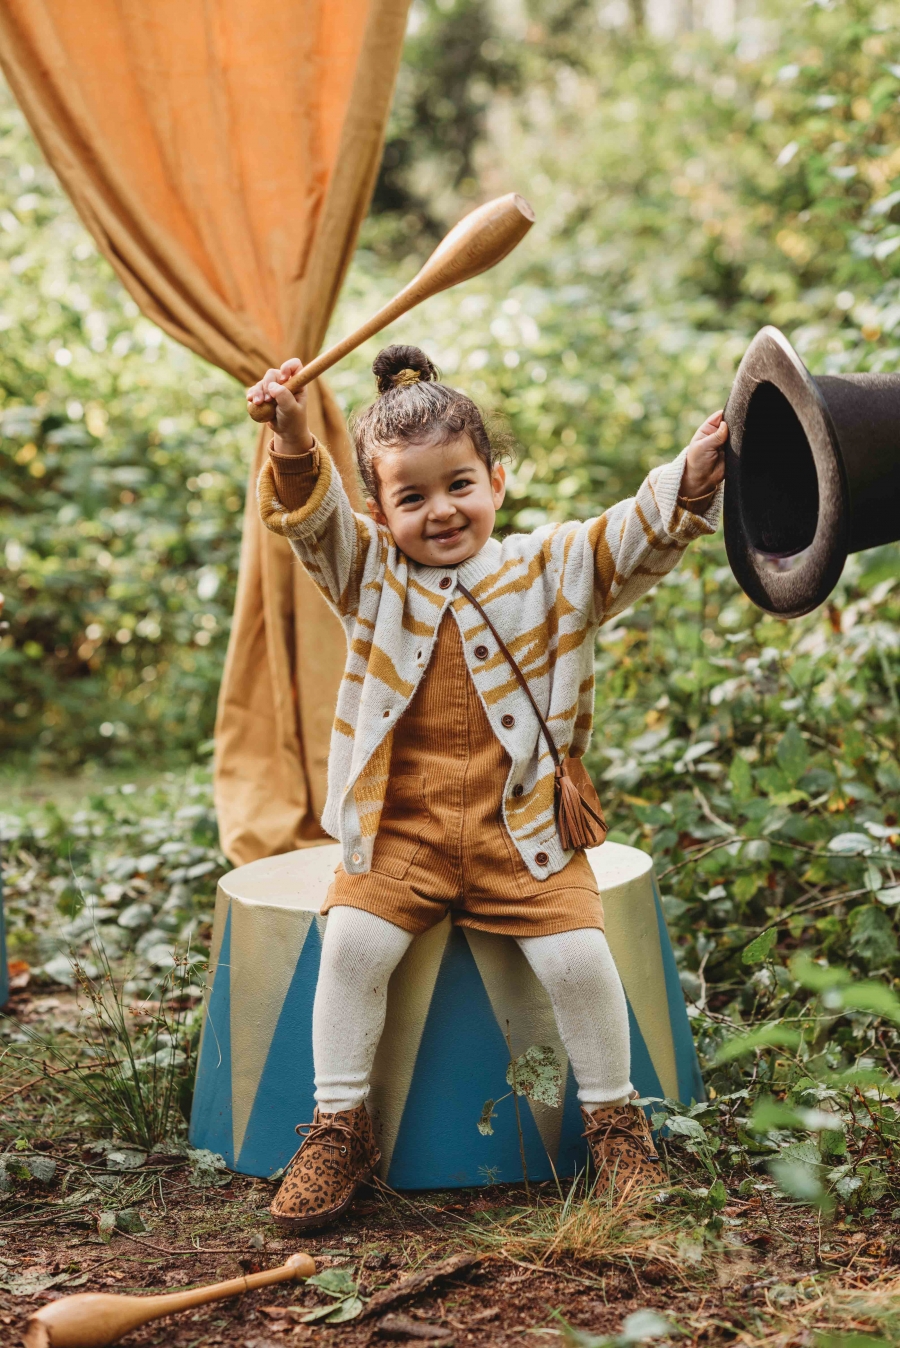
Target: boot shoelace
(318, 1131)
(620, 1124)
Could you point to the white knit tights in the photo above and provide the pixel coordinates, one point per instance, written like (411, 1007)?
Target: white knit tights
(361, 951)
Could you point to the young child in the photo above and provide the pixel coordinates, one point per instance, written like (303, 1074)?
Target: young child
(440, 784)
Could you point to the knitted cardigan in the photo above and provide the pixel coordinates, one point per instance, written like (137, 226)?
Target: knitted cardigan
(546, 592)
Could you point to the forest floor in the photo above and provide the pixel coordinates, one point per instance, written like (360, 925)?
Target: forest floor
(773, 1274)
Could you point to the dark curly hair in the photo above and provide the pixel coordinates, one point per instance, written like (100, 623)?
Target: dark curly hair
(413, 407)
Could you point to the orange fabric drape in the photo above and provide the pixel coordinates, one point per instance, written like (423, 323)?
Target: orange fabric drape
(222, 154)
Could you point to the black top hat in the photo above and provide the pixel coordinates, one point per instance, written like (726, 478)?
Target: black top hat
(812, 472)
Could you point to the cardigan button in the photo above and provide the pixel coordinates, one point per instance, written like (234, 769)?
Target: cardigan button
(445, 582)
(518, 789)
(508, 720)
(541, 858)
(482, 652)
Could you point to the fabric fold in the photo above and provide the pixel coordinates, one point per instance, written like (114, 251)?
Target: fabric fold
(165, 123)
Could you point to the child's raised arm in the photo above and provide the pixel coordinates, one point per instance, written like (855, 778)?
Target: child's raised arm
(301, 497)
(609, 562)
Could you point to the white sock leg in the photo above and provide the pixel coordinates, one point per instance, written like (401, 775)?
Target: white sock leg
(359, 954)
(577, 970)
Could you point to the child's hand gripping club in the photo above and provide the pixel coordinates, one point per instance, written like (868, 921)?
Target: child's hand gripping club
(292, 433)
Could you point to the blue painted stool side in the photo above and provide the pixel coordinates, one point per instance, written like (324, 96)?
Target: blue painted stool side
(474, 1058)
(211, 1118)
(690, 1080)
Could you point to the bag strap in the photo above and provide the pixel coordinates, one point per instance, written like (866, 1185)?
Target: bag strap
(517, 671)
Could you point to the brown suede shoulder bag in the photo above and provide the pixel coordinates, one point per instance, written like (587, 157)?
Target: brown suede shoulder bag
(579, 814)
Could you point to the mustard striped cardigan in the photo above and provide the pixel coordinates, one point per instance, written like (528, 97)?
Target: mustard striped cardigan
(546, 592)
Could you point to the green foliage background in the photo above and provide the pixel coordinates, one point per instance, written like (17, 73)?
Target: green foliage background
(686, 194)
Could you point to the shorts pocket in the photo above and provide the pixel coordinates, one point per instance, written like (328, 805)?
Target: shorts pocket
(403, 818)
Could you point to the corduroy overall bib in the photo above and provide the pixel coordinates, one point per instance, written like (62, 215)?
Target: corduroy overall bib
(442, 844)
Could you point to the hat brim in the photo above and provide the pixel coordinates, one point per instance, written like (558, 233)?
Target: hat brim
(786, 495)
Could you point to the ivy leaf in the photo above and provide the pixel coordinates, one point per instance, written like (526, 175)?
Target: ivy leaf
(717, 1195)
(766, 1036)
(792, 797)
(334, 1282)
(872, 935)
(684, 1127)
(876, 998)
(318, 1313)
(759, 948)
(850, 844)
(800, 1179)
(818, 977)
(535, 1074)
(347, 1310)
(741, 777)
(847, 1185)
(792, 754)
(646, 1324)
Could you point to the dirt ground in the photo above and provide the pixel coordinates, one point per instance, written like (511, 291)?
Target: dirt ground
(742, 1289)
(773, 1274)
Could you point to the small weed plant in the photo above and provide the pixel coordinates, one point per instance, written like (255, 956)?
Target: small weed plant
(130, 1067)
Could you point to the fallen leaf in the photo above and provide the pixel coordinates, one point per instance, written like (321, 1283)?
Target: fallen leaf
(336, 1282)
(208, 1168)
(30, 1281)
(344, 1311)
(19, 975)
(125, 1159)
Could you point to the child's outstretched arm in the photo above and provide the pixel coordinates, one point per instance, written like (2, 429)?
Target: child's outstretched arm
(610, 561)
(301, 497)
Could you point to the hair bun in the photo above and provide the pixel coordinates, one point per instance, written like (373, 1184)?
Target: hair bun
(396, 361)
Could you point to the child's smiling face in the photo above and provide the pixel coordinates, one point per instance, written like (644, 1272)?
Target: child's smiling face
(438, 500)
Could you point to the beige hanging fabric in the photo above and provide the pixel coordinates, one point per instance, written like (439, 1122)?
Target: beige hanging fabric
(223, 157)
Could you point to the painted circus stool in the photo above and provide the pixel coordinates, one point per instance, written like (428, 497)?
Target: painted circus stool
(443, 1052)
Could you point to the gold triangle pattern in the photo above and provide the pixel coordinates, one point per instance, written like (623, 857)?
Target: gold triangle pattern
(518, 1000)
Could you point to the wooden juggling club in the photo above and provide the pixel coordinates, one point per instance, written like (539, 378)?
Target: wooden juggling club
(480, 240)
(95, 1319)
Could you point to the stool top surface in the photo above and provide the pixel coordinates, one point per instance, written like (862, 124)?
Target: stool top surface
(301, 879)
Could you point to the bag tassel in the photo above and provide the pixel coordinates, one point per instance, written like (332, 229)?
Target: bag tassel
(578, 824)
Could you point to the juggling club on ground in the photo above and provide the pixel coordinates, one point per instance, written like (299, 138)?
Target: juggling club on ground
(95, 1319)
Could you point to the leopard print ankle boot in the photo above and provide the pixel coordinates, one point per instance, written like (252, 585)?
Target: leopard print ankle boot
(621, 1147)
(337, 1155)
